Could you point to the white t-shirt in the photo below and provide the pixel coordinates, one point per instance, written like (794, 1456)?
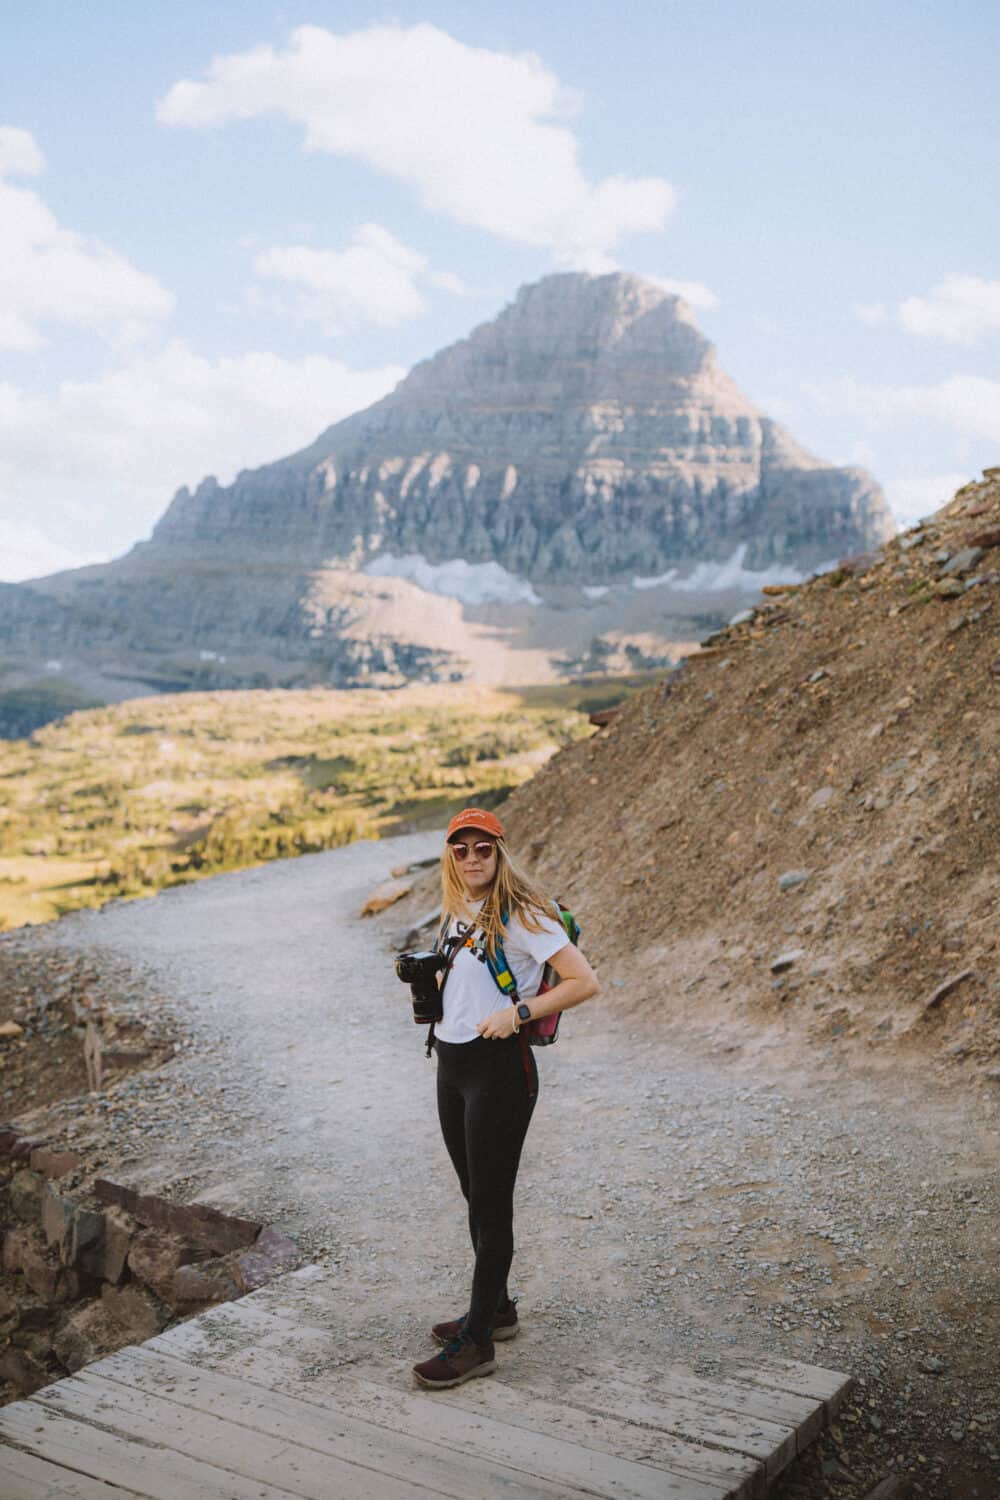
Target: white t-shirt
(471, 993)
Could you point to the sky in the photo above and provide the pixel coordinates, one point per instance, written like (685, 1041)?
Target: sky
(223, 227)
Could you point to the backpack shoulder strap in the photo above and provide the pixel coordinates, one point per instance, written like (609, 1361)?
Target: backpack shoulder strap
(498, 966)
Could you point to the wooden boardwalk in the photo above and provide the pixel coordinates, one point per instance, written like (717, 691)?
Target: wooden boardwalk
(254, 1401)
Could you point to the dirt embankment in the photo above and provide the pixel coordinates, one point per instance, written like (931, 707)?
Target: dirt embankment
(803, 824)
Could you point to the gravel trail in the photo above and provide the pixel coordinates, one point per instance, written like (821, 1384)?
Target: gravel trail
(671, 1205)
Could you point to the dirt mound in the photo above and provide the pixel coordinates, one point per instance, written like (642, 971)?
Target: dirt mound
(803, 823)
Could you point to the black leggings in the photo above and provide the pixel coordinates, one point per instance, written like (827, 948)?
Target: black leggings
(485, 1107)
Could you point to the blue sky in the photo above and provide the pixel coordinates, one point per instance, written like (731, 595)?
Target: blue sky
(223, 227)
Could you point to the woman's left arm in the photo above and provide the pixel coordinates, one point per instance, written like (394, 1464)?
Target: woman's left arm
(577, 982)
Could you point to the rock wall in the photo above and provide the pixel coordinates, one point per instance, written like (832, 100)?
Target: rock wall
(88, 1269)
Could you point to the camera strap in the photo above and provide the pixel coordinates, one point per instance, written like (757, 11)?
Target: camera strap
(449, 948)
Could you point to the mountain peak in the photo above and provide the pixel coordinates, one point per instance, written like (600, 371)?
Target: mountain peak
(621, 296)
(571, 336)
(586, 434)
(581, 466)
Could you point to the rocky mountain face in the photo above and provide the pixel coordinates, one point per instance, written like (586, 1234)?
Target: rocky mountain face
(586, 434)
(576, 449)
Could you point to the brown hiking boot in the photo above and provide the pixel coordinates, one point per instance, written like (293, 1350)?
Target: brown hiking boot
(505, 1327)
(458, 1361)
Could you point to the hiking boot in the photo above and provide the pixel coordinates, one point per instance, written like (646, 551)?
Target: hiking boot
(458, 1361)
(504, 1327)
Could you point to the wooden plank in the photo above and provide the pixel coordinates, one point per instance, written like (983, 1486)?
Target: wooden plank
(235, 1451)
(669, 1460)
(547, 1461)
(279, 1354)
(443, 1469)
(784, 1392)
(767, 1412)
(773, 1373)
(802, 1415)
(149, 1469)
(24, 1476)
(236, 1326)
(769, 1442)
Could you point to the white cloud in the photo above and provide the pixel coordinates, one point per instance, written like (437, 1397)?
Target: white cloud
(49, 274)
(969, 403)
(873, 313)
(20, 153)
(959, 309)
(135, 435)
(26, 552)
(479, 134)
(374, 280)
(694, 292)
(912, 499)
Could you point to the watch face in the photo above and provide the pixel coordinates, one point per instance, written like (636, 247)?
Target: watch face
(524, 1013)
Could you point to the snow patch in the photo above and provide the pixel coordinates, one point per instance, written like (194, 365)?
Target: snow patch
(595, 590)
(472, 583)
(720, 577)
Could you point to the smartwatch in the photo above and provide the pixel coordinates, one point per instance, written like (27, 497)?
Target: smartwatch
(523, 1012)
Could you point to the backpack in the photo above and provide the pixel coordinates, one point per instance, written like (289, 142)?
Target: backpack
(543, 1032)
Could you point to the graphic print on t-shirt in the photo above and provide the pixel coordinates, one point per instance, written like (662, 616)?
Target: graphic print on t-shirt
(474, 939)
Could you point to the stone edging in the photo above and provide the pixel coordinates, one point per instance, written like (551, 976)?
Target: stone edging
(91, 1270)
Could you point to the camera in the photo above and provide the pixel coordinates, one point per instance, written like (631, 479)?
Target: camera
(420, 972)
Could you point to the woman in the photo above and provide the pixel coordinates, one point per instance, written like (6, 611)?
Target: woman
(486, 1077)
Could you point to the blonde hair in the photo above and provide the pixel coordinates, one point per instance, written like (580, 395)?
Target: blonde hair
(511, 894)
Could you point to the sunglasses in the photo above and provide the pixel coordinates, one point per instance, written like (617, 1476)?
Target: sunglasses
(482, 849)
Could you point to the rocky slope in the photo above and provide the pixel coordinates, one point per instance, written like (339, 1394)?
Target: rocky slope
(802, 825)
(578, 478)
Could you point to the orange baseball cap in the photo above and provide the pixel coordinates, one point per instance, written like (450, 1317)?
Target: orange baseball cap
(475, 817)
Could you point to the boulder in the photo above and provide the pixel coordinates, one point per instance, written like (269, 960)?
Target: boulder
(26, 1196)
(386, 895)
(14, 1243)
(108, 1257)
(154, 1257)
(89, 1332)
(57, 1219)
(784, 961)
(964, 561)
(203, 1282)
(41, 1269)
(34, 1341)
(272, 1254)
(54, 1163)
(821, 798)
(23, 1369)
(197, 1223)
(137, 1310)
